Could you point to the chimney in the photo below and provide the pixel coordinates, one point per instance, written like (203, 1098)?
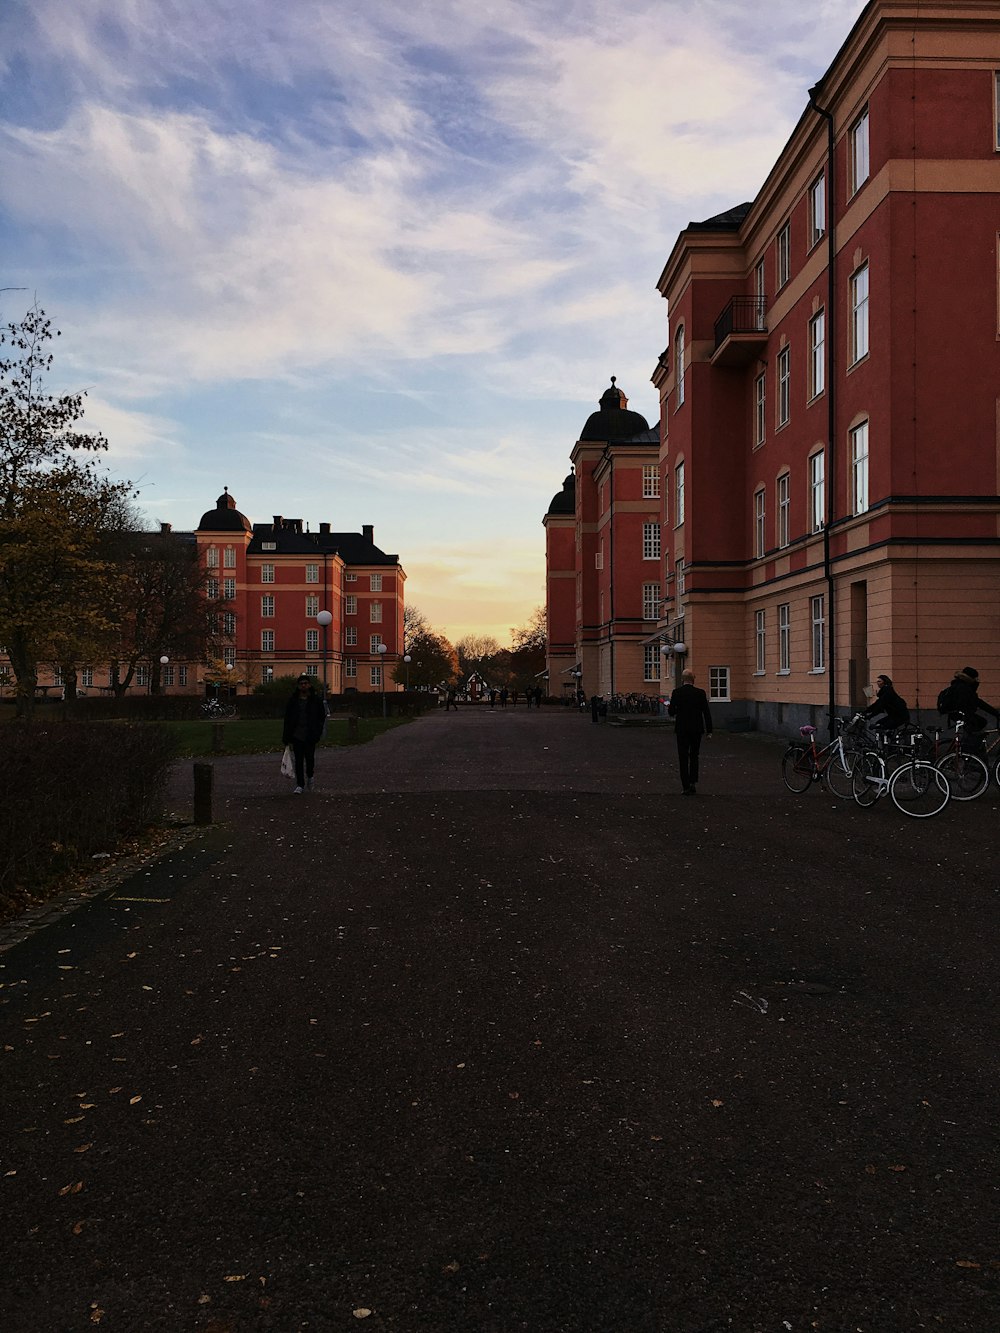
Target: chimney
(324, 527)
(278, 520)
(367, 531)
(166, 527)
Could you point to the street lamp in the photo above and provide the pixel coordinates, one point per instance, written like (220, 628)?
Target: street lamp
(382, 649)
(324, 619)
(229, 680)
(163, 663)
(407, 659)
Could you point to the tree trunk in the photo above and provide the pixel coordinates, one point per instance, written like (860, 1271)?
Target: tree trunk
(68, 673)
(25, 670)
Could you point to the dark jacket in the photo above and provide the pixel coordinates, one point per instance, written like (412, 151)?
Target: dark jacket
(315, 718)
(964, 702)
(894, 707)
(689, 705)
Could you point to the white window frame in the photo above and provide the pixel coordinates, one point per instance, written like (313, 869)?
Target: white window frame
(783, 405)
(374, 642)
(267, 641)
(375, 677)
(680, 577)
(783, 500)
(312, 640)
(141, 675)
(759, 523)
(859, 467)
(650, 601)
(650, 481)
(817, 209)
(229, 622)
(375, 613)
(375, 582)
(229, 558)
(650, 663)
(87, 676)
(212, 557)
(267, 606)
(312, 573)
(817, 354)
(312, 669)
(266, 674)
(351, 636)
(212, 589)
(783, 264)
(351, 604)
(760, 642)
(650, 541)
(229, 589)
(760, 409)
(312, 605)
(351, 668)
(267, 573)
(817, 491)
(350, 577)
(229, 657)
(182, 675)
(166, 678)
(859, 152)
(996, 110)
(784, 638)
(860, 286)
(817, 616)
(679, 494)
(719, 684)
(679, 366)
(760, 292)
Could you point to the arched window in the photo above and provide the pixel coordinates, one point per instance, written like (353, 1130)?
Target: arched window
(679, 366)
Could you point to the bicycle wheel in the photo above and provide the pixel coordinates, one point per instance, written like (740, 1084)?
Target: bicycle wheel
(839, 773)
(797, 768)
(867, 778)
(919, 790)
(996, 773)
(968, 777)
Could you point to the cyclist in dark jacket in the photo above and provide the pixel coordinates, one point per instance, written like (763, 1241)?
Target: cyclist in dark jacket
(889, 709)
(962, 700)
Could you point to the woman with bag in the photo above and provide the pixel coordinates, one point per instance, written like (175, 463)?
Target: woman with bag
(305, 718)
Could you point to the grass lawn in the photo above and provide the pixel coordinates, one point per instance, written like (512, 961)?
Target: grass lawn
(194, 739)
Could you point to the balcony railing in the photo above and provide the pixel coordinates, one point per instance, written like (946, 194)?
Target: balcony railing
(743, 315)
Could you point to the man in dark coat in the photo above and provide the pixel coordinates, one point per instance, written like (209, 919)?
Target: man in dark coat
(962, 700)
(692, 719)
(889, 708)
(305, 718)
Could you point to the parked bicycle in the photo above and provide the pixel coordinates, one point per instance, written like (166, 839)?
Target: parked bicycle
(214, 709)
(967, 774)
(803, 763)
(915, 787)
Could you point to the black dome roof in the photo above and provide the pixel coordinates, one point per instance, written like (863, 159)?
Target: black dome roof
(225, 517)
(613, 421)
(564, 501)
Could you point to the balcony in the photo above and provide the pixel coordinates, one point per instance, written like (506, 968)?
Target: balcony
(740, 331)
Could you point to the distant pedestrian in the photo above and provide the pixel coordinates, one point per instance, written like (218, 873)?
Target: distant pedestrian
(504, 696)
(513, 698)
(538, 696)
(305, 720)
(693, 719)
(449, 699)
(493, 698)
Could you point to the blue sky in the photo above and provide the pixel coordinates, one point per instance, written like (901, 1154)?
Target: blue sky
(376, 264)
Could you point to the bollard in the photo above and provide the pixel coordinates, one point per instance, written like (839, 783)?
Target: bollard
(218, 737)
(352, 727)
(203, 776)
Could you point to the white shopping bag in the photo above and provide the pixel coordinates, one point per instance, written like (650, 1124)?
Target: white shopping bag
(287, 763)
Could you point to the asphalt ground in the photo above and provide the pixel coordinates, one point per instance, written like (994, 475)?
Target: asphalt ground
(496, 1031)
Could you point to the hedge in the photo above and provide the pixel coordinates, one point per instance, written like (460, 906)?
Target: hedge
(181, 707)
(70, 789)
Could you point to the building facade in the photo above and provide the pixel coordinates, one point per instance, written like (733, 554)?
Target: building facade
(829, 412)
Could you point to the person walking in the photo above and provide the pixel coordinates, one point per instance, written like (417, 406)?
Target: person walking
(449, 699)
(692, 719)
(888, 708)
(305, 719)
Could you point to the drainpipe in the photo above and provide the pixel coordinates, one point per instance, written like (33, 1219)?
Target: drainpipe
(831, 409)
(611, 564)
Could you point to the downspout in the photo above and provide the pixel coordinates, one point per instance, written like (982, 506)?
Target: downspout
(831, 407)
(611, 565)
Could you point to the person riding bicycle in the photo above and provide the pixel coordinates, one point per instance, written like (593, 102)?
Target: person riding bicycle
(889, 710)
(961, 699)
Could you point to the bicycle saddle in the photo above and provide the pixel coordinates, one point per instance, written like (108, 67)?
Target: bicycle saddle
(807, 731)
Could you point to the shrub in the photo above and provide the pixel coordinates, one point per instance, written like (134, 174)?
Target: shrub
(70, 789)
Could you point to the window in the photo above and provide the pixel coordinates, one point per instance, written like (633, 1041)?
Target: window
(166, 676)
(760, 641)
(351, 667)
(760, 408)
(760, 294)
(269, 546)
(351, 636)
(229, 558)
(312, 640)
(817, 210)
(375, 677)
(859, 314)
(599, 558)
(350, 577)
(859, 467)
(212, 557)
(376, 613)
(817, 613)
(679, 364)
(718, 683)
(759, 525)
(229, 657)
(681, 576)
(650, 541)
(267, 641)
(784, 254)
(678, 495)
(650, 481)
(87, 676)
(784, 505)
(374, 642)
(212, 589)
(229, 623)
(375, 582)
(650, 662)
(182, 675)
(267, 606)
(266, 674)
(817, 353)
(784, 638)
(141, 675)
(860, 163)
(267, 573)
(650, 601)
(996, 109)
(312, 606)
(312, 669)
(784, 381)
(312, 573)
(817, 492)
(350, 605)
(229, 589)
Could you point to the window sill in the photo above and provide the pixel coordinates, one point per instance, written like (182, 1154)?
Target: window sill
(759, 675)
(786, 672)
(818, 671)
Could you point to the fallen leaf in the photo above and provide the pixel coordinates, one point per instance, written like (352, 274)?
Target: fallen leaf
(75, 1120)
(897, 1168)
(132, 1100)
(196, 1041)
(966, 1263)
(450, 1268)
(870, 1170)
(204, 1300)
(72, 1189)
(77, 1228)
(114, 1090)
(96, 1314)
(85, 1147)
(362, 1312)
(235, 1277)
(716, 1102)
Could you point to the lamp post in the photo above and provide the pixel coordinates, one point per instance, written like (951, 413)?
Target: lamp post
(163, 662)
(407, 659)
(229, 680)
(382, 649)
(324, 619)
